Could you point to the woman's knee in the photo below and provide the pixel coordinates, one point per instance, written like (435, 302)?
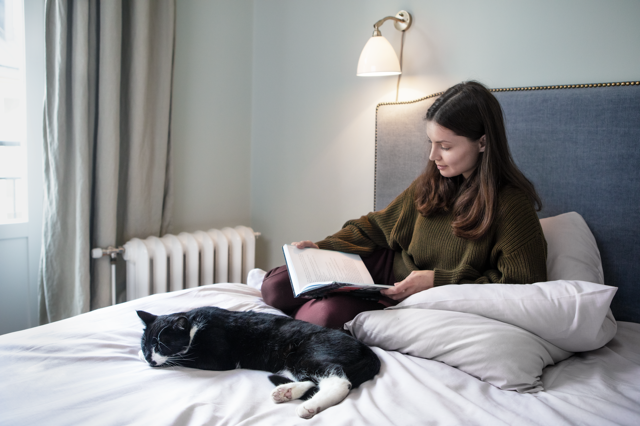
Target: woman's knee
(272, 285)
(276, 290)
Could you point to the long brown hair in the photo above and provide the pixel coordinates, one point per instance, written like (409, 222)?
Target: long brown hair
(468, 109)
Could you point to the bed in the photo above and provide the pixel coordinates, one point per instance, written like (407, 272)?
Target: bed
(566, 351)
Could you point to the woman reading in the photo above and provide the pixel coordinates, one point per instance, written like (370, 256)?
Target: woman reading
(470, 217)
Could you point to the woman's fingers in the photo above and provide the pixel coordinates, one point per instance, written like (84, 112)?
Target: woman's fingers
(395, 293)
(416, 282)
(304, 244)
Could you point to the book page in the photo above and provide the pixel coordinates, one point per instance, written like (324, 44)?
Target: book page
(307, 266)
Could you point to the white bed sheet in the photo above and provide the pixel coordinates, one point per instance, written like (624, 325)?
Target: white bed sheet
(86, 370)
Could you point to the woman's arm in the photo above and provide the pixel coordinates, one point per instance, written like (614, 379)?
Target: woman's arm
(525, 265)
(378, 229)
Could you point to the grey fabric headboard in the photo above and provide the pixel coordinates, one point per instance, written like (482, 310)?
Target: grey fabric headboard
(579, 145)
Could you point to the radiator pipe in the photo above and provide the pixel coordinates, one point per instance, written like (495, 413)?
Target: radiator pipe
(113, 253)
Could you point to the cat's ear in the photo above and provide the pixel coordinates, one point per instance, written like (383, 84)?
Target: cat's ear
(182, 323)
(146, 317)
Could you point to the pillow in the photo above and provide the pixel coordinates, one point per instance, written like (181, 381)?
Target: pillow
(572, 252)
(573, 315)
(232, 296)
(503, 355)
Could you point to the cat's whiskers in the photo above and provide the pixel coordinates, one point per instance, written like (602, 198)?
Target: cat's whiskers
(182, 358)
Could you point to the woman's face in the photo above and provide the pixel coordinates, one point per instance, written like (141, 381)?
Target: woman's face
(454, 155)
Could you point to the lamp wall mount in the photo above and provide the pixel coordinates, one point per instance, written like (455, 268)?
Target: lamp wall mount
(402, 22)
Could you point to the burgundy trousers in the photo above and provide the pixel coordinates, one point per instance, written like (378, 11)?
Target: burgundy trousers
(331, 311)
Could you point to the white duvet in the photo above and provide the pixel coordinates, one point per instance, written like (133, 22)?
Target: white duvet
(86, 370)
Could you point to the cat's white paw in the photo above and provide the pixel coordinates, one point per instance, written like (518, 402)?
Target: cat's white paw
(289, 391)
(306, 410)
(281, 394)
(332, 390)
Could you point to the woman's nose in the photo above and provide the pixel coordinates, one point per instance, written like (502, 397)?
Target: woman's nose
(433, 155)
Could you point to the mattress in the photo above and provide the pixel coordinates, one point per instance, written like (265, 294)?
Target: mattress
(86, 370)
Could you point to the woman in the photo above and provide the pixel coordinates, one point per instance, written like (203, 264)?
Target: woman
(469, 218)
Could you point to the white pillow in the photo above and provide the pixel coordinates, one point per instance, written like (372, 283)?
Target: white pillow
(573, 315)
(503, 355)
(572, 252)
(229, 296)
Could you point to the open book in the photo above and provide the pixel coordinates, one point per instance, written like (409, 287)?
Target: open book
(315, 272)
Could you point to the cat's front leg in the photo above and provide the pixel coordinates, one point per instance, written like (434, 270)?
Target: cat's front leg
(331, 391)
(289, 391)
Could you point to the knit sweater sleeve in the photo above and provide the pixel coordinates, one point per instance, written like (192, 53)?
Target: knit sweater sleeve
(380, 229)
(519, 249)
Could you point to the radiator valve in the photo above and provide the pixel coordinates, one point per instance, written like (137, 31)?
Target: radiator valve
(111, 251)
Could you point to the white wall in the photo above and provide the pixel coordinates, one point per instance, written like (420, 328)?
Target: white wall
(273, 128)
(313, 119)
(211, 114)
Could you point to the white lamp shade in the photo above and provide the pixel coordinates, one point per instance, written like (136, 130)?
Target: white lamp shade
(378, 58)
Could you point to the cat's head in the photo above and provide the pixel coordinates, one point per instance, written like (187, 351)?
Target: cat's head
(166, 338)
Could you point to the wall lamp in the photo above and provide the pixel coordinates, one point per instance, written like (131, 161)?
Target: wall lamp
(378, 57)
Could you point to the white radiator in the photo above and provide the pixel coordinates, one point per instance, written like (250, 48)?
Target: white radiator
(175, 262)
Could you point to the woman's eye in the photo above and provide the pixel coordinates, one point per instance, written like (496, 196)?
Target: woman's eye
(445, 149)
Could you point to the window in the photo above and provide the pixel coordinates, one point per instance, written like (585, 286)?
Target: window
(13, 166)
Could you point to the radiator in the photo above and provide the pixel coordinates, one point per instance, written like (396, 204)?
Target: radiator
(187, 260)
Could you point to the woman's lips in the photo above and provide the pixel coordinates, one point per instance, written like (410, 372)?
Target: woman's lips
(440, 167)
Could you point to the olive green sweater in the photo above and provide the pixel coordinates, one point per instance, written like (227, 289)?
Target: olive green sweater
(514, 251)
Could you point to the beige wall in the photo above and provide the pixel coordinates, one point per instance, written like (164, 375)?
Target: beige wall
(271, 120)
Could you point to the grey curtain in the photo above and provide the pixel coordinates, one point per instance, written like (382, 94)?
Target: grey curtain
(107, 151)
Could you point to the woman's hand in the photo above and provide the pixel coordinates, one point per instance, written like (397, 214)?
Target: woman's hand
(305, 244)
(416, 282)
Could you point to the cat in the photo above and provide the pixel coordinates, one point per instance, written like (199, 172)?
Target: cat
(309, 362)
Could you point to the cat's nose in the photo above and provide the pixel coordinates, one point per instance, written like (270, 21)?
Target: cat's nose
(142, 358)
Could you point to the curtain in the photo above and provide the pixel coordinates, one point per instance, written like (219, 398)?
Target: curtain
(107, 151)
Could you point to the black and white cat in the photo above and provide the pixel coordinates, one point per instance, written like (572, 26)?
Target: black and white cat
(313, 363)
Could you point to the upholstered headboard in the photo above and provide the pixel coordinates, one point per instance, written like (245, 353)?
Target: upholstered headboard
(578, 144)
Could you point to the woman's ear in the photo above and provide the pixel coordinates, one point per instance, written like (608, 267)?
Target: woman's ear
(483, 143)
